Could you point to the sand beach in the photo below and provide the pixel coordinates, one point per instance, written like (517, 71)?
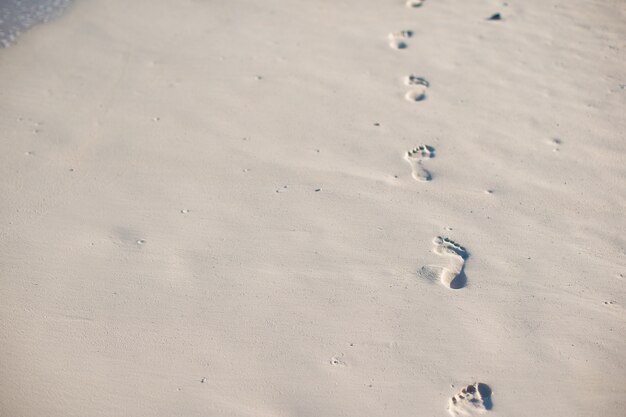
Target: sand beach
(327, 208)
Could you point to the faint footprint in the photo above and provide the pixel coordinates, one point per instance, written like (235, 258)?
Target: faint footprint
(452, 275)
(415, 157)
(414, 3)
(472, 400)
(397, 40)
(123, 236)
(555, 142)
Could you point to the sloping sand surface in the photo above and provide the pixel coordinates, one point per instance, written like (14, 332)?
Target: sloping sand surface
(208, 209)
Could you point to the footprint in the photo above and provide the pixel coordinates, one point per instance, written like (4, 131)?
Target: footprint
(416, 80)
(419, 84)
(472, 400)
(415, 157)
(397, 44)
(418, 94)
(403, 34)
(414, 3)
(397, 40)
(555, 142)
(452, 275)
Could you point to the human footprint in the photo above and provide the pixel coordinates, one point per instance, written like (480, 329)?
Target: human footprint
(472, 400)
(452, 275)
(415, 157)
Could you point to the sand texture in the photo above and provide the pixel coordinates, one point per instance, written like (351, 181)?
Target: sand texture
(315, 209)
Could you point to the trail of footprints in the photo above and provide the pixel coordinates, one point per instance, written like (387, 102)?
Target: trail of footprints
(475, 398)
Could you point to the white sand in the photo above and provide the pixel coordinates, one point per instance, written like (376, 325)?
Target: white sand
(164, 251)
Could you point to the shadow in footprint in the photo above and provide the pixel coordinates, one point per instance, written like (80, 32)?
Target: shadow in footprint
(414, 3)
(418, 94)
(460, 281)
(485, 394)
(416, 80)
